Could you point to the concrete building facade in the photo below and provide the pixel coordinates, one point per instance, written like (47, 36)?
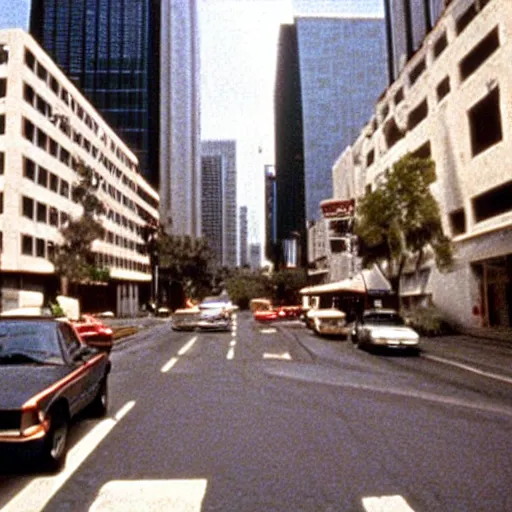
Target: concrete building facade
(180, 143)
(46, 125)
(451, 102)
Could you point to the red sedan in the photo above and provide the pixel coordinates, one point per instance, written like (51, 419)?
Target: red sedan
(94, 332)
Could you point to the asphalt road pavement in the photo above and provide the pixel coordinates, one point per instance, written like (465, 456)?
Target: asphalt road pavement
(273, 418)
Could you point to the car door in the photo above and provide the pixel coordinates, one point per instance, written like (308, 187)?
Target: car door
(87, 375)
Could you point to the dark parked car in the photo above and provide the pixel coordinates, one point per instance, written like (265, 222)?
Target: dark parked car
(47, 376)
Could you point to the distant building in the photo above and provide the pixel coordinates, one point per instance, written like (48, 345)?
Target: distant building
(110, 51)
(330, 70)
(451, 103)
(46, 125)
(219, 207)
(270, 212)
(255, 256)
(244, 227)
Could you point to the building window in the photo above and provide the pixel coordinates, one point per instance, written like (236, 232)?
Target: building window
(42, 213)
(64, 156)
(28, 130)
(479, 54)
(424, 151)
(2, 162)
(485, 122)
(42, 177)
(494, 202)
(54, 182)
(42, 139)
(2, 124)
(458, 222)
(64, 188)
(27, 245)
(440, 45)
(465, 19)
(417, 115)
(40, 247)
(41, 72)
(29, 169)
(54, 85)
(28, 94)
(30, 60)
(54, 148)
(1, 202)
(417, 71)
(27, 205)
(370, 158)
(443, 88)
(3, 87)
(54, 217)
(399, 96)
(50, 250)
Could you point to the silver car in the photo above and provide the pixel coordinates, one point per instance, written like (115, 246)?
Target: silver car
(216, 313)
(383, 328)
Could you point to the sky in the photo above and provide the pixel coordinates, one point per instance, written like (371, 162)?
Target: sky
(238, 41)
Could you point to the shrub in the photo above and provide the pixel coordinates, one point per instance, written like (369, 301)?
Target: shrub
(428, 321)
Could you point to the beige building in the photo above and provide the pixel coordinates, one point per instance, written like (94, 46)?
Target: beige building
(453, 102)
(45, 126)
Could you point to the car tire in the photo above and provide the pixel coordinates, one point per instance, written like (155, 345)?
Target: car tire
(99, 406)
(56, 442)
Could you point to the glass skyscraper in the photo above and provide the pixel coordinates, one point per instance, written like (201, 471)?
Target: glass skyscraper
(110, 50)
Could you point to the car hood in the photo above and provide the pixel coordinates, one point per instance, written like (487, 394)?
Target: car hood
(392, 332)
(19, 383)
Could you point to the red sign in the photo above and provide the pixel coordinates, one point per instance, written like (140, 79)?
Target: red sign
(338, 208)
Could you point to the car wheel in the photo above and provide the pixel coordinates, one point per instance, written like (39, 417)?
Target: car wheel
(55, 447)
(99, 406)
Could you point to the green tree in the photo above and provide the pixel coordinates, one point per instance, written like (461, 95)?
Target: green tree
(400, 223)
(185, 259)
(245, 284)
(286, 285)
(74, 259)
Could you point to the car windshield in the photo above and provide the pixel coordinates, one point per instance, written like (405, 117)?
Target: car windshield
(24, 342)
(384, 319)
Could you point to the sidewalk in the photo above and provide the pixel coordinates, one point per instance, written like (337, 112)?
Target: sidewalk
(489, 333)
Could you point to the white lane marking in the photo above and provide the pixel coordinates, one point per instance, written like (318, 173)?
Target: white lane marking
(35, 496)
(386, 504)
(187, 347)
(468, 368)
(231, 353)
(270, 330)
(284, 355)
(133, 496)
(167, 366)
(232, 343)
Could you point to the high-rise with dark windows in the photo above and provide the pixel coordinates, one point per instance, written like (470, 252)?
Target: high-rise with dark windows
(110, 50)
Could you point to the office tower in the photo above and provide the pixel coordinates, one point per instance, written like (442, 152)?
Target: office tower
(244, 224)
(330, 70)
(407, 23)
(270, 212)
(219, 209)
(255, 256)
(180, 146)
(110, 51)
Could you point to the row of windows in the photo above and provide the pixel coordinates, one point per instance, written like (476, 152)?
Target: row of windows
(38, 137)
(61, 92)
(40, 212)
(468, 64)
(41, 248)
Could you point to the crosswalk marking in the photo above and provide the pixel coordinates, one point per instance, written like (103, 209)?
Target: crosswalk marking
(386, 504)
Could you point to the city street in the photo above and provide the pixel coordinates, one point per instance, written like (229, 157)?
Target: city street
(274, 418)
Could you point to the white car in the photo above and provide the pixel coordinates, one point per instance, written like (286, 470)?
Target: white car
(216, 313)
(383, 328)
(328, 322)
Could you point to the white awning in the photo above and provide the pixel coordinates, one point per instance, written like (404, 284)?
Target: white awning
(367, 281)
